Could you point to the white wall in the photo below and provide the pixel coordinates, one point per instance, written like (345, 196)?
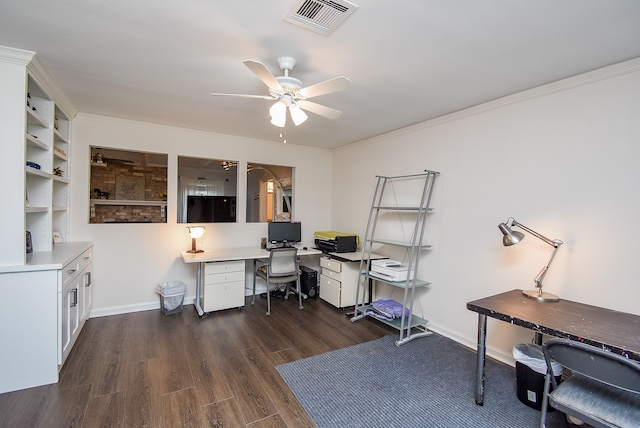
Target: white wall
(130, 259)
(561, 159)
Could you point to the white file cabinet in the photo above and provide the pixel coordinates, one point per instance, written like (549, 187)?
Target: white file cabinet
(223, 285)
(338, 281)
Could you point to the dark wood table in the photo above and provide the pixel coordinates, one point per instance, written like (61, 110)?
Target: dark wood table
(618, 332)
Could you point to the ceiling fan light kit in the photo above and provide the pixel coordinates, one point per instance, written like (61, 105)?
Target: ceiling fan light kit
(297, 115)
(289, 93)
(278, 113)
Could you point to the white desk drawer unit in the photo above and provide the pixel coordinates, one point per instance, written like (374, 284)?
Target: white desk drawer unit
(223, 285)
(338, 281)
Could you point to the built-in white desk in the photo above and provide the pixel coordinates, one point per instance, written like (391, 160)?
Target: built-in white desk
(229, 255)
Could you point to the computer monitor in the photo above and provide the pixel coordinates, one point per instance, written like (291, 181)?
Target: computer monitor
(284, 232)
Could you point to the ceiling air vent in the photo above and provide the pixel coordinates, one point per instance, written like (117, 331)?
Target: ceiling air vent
(320, 16)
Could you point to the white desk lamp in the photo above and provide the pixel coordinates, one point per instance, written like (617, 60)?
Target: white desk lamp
(513, 237)
(195, 232)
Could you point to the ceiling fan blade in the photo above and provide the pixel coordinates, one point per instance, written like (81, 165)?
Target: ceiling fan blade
(263, 74)
(332, 85)
(318, 109)
(264, 97)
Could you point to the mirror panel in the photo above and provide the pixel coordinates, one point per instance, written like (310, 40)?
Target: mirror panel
(207, 190)
(269, 192)
(127, 186)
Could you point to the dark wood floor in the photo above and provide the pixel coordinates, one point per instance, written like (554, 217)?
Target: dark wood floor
(146, 369)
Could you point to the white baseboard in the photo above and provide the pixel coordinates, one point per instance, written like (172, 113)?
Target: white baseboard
(126, 309)
(472, 343)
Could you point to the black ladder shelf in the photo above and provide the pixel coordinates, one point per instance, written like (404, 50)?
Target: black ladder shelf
(385, 200)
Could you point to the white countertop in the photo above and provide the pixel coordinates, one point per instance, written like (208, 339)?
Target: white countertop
(61, 255)
(228, 254)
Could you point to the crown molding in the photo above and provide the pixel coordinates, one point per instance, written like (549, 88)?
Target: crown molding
(590, 77)
(15, 56)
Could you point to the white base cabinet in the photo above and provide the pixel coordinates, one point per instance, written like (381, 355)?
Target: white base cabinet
(223, 285)
(46, 303)
(75, 303)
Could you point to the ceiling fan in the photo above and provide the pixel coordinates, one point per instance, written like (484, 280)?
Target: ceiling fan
(289, 93)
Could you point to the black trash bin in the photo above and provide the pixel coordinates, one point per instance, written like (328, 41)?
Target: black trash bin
(531, 369)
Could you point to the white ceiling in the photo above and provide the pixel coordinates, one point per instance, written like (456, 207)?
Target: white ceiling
(409, 60)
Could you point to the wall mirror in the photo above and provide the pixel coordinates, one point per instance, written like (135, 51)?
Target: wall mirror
(127, 186)
(269, 193)
(207, 190)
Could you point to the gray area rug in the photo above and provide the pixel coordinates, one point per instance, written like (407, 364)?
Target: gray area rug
(428, 382)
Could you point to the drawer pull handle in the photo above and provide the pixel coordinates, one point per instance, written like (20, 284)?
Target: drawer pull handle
(87, 282)
(74, 302)
(71, 272)
(86, 258)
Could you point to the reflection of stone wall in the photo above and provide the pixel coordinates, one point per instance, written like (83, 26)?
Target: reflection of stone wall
(129, 214)
(104, 178)
(155, 185)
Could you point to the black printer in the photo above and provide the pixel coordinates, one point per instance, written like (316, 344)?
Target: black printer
(335, 242)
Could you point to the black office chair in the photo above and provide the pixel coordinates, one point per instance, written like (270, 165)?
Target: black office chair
(282, 268)
(602, 390)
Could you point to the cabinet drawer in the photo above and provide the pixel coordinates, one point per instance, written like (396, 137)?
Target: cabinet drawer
(85, 259)
(223, 296)
(330, 290)
(332, 274)
(220, 267)
(220, 278)
(331, 264)
(69, 272)
(73, 269)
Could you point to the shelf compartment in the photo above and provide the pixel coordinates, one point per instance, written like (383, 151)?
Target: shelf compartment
(33, 210)
(60, 126)
(416, 283)
(37, 172)
(35, 142)
(397, 243)
(39, 224)
(60, 179)
(59, 195)
(59, 155)
(58, 136)
(415, 325)
(404, 208)
(34, 118)
(416, 321)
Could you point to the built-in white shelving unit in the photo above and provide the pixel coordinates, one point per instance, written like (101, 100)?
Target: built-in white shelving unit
(35, 136)
(48, 289)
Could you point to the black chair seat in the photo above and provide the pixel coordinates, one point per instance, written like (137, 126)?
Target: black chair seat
(597, 401)
(602, 389)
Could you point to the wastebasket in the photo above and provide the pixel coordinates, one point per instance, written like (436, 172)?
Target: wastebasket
(531, 369)
(171, 296)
